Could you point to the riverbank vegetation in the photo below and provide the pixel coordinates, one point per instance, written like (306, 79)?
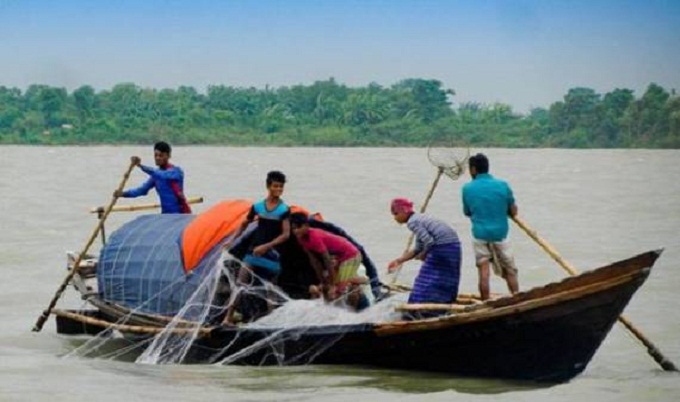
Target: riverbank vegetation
(412, 112)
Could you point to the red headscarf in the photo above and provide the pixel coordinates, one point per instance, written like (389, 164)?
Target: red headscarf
(401, 205)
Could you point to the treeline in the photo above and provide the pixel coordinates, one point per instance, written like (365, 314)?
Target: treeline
(412, 112)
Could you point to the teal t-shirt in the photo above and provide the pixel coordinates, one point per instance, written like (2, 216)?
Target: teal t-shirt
(486, 200)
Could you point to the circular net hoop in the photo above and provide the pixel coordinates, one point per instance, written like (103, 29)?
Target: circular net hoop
(450, 160)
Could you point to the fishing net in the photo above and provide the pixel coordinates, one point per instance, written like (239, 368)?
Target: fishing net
(447, 158)
(198, 302)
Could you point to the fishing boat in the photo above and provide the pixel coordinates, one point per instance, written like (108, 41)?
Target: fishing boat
(548, 333)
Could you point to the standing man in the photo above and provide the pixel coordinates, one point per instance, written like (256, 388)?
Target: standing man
(488, 202)
(438, 246)
(168, 180)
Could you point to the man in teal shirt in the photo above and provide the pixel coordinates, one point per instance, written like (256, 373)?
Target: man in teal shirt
(488, 202)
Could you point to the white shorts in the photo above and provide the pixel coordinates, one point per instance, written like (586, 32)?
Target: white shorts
(498, 253)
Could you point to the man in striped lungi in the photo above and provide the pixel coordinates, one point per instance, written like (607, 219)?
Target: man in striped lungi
(438, 246)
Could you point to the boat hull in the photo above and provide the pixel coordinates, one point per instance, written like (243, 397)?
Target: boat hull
(552, 343)
(544, 334)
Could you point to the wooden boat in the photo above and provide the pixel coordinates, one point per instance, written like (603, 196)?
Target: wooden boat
(548, 333)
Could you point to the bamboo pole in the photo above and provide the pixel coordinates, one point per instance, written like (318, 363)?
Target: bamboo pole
(116, 310)
(139, 329)
(652, 350)
(435, 182)
(397, 287)
(141, 207)
(454, 308)
(100, 214)
(431, 307)
(76, 265)
(489, 310)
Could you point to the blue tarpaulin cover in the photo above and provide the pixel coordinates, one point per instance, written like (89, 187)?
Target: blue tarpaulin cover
(141, 265)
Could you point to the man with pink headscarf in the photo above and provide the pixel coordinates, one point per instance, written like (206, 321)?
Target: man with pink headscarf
(438, 246)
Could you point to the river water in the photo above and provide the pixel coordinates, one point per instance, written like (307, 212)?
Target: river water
(594, 206)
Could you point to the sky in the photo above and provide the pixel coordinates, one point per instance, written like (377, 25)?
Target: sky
(523, 53)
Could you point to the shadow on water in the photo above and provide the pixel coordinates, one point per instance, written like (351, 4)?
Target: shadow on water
(402, 381)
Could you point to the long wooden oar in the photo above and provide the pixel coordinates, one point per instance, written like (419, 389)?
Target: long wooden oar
(139, 329)
(651, 349)
(141, 207)
(76, 265)
(440, 171)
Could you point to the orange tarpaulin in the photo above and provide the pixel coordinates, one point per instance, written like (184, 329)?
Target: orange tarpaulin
(316, 215)
(209, 228)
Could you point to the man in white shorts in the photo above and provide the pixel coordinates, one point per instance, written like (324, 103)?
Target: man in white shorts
(498, 254)
(488, 202)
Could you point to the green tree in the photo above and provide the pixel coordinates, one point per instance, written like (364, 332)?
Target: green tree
(10, 108)
(426, 98)
(411, 112)
(647, 119)
(608, 132)
(85, 100)
(673, 139)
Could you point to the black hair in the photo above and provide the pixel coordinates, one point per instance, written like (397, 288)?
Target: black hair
(480, 162)
(162, 146)
(276, 177)
(298, 219)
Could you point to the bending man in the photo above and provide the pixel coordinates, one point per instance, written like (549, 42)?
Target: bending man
(438, 246)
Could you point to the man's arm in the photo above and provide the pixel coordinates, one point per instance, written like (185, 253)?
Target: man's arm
(512, 206)
(394, 264)
(328, 266)
(466, 207)
(139, 191)
(249, 218)
(323, 266)
(316, 265)
(285, 233)
(424, 239)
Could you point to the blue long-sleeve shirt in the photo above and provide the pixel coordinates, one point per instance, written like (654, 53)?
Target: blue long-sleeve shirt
(169, 184)
(430, 232)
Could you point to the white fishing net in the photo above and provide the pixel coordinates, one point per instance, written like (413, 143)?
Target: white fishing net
(289, 320)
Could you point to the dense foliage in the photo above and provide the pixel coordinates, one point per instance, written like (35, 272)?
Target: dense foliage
(412, 112)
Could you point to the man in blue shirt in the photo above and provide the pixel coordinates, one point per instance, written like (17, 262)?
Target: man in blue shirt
(168, 180)
(488, 202)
